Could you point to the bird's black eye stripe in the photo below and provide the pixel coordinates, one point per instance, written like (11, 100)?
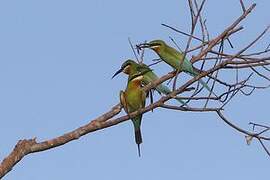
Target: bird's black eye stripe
(156, 44)
(124, 66)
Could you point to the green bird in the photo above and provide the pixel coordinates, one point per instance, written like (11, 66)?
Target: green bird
(133, 99)
(130, 67)
(173, 57)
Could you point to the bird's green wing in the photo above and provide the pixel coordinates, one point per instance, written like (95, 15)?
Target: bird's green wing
(188, 68)
(123, 101)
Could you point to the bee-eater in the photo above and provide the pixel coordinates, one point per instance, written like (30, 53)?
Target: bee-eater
(133, 99)
(130, 67)
(173, 57)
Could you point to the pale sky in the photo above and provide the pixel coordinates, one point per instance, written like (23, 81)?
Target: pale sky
(57, 58)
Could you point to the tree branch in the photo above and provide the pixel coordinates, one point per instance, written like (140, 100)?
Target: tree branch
(221, 60)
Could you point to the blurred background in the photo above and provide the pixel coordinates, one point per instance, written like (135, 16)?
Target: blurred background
(56, 62)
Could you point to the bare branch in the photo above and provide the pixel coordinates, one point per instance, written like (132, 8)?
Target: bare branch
(212, 57)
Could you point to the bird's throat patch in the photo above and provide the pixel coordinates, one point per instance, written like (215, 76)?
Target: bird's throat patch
(156, 48)
(127, 69)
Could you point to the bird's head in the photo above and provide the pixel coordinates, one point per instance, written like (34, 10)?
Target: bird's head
(126, 67)
(141, 70)
(155, 45)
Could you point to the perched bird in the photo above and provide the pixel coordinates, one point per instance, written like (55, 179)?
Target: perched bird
(133, 99)
(130, 67)
(173, 57)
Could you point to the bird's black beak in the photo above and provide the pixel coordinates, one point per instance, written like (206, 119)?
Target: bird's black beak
(117, 72)
(143, 45)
